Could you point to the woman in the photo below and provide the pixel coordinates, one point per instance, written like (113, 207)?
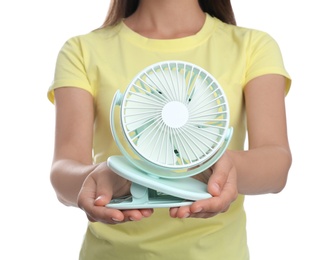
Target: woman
(90, 68)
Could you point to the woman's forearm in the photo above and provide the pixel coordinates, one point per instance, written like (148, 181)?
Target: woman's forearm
(262, 170)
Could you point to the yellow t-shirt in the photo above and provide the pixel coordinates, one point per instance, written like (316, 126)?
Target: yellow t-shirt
(106, 60)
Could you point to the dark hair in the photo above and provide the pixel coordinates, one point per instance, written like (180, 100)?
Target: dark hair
(119, 9)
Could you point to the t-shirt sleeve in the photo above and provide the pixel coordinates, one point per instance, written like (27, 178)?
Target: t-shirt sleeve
(70, 68)
(265, 57)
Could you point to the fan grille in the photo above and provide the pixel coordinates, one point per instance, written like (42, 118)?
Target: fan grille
(175, 114)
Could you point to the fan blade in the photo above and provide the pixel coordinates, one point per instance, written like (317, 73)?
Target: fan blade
(198, 142)
(203, 96)
(168, 82)
(137, 111)
(154, 145)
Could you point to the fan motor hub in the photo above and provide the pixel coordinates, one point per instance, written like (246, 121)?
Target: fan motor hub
(175, 114)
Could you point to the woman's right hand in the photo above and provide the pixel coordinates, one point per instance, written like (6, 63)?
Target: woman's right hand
(100, 186)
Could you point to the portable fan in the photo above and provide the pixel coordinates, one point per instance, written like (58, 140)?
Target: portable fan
(175, 119)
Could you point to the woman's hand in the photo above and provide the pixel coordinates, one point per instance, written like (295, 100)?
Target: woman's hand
(100, 186)
(222, 185)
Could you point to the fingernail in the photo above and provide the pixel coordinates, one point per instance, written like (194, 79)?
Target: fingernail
(186, 215)
(99, 198)
(217, 187)
(198, 210)
(116, 220)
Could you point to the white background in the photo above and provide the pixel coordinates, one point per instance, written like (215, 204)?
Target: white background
(295, 224)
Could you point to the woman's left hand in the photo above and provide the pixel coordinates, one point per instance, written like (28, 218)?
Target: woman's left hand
(221, 179)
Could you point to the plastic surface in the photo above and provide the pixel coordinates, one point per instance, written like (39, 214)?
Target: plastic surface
(175, 118)
(174, 114)
(175, 192)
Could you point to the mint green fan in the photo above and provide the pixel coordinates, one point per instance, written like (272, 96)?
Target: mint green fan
(174, 118)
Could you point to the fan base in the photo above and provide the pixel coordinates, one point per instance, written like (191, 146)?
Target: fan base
(152, 192)
(146, 198)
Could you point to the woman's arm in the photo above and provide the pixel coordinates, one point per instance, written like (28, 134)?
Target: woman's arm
(76, 180)
(72, 160)
(264, 167)
(261, 169)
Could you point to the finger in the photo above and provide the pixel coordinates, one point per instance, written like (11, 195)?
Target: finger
(136, 214)
(146, 212)
(218, 179)
(114, 216)
(180, 212)
(210, 206)
(104, 191)
(102, 200)
(220, 203)
(103, 214)
(95, 207)
(173, 212)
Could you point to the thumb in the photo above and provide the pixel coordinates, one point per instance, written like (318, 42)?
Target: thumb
(104, 192)
(215, 184)
(217, 179)
(102, 200)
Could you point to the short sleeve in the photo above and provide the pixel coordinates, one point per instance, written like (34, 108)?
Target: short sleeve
(265, 57)
(70, 68)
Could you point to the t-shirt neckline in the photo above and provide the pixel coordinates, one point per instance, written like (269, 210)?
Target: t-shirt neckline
(170, 44)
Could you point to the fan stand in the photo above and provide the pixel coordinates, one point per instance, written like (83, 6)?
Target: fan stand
(149, 191)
